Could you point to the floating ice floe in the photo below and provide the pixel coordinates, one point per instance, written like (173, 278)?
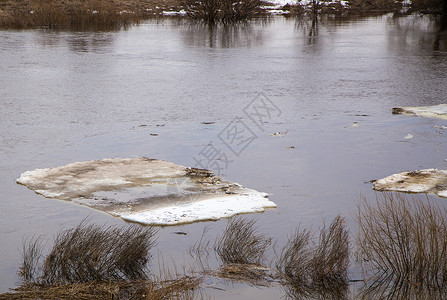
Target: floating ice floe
(430, 181)
(145, 190)
(436, 111)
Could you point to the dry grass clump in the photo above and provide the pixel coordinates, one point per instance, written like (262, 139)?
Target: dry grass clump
(241, 243)
(90, 253)
(180, 288)
(254, 274)
(225, 11)
(403, 243)
(307, 267)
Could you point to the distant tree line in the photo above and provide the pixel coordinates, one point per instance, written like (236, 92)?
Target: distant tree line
(430, 6)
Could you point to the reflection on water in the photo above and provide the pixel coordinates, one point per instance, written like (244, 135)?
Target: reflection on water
(401, 289)
(224, 35)
(331, 292)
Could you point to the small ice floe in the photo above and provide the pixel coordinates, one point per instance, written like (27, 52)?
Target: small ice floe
(435, 111)
(408, 136)
(278, 133)
(430, 181)
(145, 190)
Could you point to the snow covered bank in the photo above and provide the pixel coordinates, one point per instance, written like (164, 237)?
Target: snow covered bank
(146, 190)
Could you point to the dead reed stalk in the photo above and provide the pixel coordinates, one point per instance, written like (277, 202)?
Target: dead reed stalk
(402, 242)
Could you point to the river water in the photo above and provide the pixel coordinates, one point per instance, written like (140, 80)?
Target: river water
(147, 90)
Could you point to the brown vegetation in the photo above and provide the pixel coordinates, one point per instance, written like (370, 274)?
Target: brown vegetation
(368, 5)
(226, 11)
(241, 243)
(403, 243)
(308, 268)
(78, 14)
(90, 253)
(180, 288)
(429, 6)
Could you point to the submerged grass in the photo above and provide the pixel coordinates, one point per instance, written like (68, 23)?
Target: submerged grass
(402, 242)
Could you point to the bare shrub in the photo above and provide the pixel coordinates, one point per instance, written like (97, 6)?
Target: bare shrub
(402, 242)
(363, 5)
(91, 253)
(430, 6)
(205, 10)
(226, 11)
(308, 268)
(241, 243)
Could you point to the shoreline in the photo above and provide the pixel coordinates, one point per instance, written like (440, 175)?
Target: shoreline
(102, 14)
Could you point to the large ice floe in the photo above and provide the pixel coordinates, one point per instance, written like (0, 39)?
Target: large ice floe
(146, 190)
(436, 111)
(430, 181)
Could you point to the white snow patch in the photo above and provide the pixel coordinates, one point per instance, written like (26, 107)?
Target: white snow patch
(201, 210)
(174, 13)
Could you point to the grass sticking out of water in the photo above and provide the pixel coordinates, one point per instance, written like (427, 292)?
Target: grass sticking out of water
(241, 243)
(89, 253)
(403, 243)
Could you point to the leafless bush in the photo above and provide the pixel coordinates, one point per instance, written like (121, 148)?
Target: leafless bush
(364, 5)
(241, 243)
(309, 268)
(89, 253)
(226, 11)
(429, 6)
(403, 243)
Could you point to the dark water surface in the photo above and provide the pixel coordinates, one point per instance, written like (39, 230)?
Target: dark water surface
(75, 96)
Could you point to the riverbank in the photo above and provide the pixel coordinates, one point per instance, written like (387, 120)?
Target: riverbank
(78, 13)
(105, 14)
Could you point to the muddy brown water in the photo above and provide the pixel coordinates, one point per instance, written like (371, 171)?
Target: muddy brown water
(145, 91)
